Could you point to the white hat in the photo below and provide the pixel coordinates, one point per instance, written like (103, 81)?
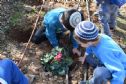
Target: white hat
(71, 18)
(75, 18)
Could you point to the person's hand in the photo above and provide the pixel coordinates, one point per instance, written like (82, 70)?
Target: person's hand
(82, 59)
(66, 33)
(76, 51)
(95, 17)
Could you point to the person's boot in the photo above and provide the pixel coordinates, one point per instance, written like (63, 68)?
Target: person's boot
(112, 30)
(39, 36)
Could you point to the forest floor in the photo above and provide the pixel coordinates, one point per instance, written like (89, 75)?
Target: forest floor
(21, 23)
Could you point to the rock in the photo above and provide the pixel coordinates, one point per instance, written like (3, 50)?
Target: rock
(74, 82)
(38, 53)
(2, 36)
(28, 8)
(50, 79)
(50, 74)
(42, 75)
(55, 77)
(2, 56)
(60, 81)
(34, 69)
(46, 74)
(31, 78)
(4, 53)
(122, 46)
(44, 80)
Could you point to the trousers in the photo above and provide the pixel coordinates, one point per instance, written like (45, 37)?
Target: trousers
(107, 16)
(101, 74)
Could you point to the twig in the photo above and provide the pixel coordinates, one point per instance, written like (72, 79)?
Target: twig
(78, 5)
(67, 75)
(85, 71)
(88, 12)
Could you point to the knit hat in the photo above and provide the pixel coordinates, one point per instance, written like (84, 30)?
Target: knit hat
(75, 18)
(86, 30)
(72, 17)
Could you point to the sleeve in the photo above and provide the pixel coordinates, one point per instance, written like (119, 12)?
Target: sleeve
(74, 42)
(12, 73)
(88, 51)
(51, 34)
(115, 66)
(18, 77)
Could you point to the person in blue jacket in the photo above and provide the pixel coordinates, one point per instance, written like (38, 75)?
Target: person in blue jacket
(107, 11)
(11, 74)
(57, 21)
(111, 56)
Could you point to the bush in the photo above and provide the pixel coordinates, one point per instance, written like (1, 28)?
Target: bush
(57, 61)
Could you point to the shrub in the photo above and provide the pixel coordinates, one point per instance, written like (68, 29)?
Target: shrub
(57, 61)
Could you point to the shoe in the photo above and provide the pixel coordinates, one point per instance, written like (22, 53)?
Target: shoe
(112, 30)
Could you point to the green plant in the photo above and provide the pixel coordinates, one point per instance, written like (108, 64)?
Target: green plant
(57, 61)
(15, 18)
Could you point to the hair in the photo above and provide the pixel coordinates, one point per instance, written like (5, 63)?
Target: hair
(83, 40)
(66, 17)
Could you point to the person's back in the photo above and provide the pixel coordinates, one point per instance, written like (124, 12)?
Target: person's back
(55, 23)
(52, 17)
(107, 50)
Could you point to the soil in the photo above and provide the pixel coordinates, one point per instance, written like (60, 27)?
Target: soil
(18, 36)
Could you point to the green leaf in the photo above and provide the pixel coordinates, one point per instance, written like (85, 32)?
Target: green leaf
(62, 72)
(57, 68)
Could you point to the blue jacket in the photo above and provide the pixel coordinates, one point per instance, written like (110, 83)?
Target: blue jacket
(10, 73)
(112, 56)
(53, 25)
(116, 2)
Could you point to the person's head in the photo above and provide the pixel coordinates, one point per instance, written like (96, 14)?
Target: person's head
(86, 33)
(70, 18)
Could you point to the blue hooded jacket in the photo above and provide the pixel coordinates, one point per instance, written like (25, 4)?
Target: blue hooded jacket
(53, 25)
(112, 56)
(10, 73)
